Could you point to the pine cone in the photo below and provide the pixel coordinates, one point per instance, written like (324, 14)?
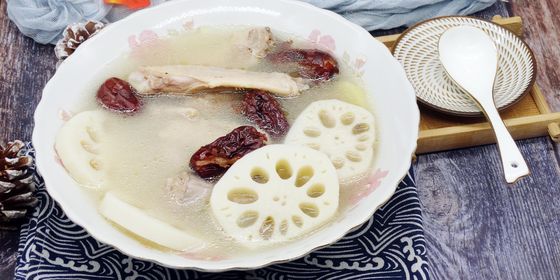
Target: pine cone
(16, 184)
(74, 35)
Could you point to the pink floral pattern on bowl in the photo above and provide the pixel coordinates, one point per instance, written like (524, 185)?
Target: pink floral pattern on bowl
(359, 63)
(65, 115)
(57, 158)
(145, 38)
(374, 181)
(202, 256)
(188, 25)
(393, 95)
(326, 41)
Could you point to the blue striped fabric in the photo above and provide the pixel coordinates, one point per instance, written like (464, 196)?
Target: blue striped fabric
(391, 245)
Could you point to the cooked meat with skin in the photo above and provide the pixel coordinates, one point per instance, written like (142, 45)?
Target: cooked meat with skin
(191, 79)
(257, 41)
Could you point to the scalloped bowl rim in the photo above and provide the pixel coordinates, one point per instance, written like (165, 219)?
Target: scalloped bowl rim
(46, 164)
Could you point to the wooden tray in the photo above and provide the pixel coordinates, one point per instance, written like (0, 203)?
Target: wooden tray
(530, 117)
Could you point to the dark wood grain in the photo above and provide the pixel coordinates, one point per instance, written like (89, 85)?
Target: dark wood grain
(542, 33)
(25, 68)
(477, 227)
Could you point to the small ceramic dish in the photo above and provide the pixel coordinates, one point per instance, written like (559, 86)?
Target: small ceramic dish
(392, 99)
(417, 50)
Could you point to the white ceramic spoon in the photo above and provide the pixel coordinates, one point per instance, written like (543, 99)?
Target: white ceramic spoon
(470, 58)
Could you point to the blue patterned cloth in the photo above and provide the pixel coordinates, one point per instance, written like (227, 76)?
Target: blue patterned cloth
(44, 20)
(391, 245)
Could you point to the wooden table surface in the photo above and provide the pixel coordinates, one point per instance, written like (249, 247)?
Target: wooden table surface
(477, 227)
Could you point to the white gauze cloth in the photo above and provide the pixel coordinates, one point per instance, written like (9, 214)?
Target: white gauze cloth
(44, 20)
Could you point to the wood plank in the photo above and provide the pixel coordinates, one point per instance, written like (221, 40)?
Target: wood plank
(476, 134)
(542, 34)
(513, 24)
(25, 67)
(432, 120)
(478, 227)
(389, 40)
(554, 131)
(540, 100)
(441, 132)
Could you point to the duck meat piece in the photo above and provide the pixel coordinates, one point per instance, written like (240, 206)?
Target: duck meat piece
(192, 79)
(256, 41)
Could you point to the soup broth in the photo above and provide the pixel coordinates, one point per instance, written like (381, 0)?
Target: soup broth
(152, 147)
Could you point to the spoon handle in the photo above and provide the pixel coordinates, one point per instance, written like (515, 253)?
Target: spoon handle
(513, 162)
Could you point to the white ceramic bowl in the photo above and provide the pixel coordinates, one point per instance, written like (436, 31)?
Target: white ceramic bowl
(395, 107)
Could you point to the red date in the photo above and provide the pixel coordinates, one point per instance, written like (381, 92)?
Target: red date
(215, 158)
(118, 95)
(264, 110)
(308, 63)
